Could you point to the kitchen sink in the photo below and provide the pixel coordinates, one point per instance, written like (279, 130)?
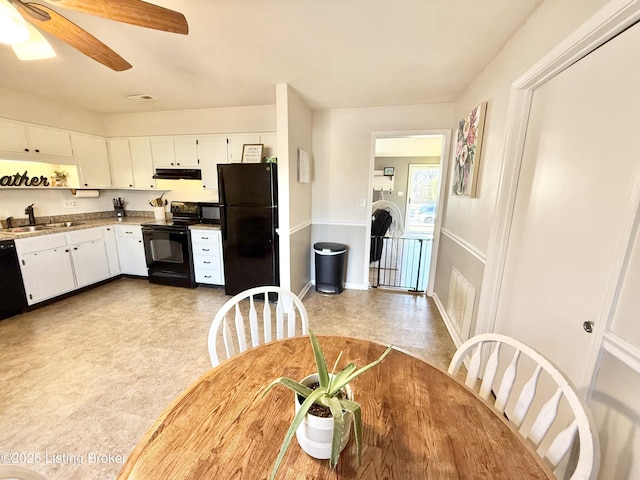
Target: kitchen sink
(25, 229)
(64, 224)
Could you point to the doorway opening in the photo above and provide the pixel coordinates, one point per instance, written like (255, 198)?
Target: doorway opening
(406, 177)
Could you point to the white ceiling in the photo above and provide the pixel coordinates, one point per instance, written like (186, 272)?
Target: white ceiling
(335, 53)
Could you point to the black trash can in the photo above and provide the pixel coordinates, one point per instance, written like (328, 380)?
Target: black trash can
(331, 259)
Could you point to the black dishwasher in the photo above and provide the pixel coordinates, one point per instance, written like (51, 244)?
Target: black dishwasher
(12, 297)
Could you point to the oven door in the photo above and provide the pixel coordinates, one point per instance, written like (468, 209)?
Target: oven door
(167, 251)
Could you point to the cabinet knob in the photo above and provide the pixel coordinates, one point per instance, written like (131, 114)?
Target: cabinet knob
(37, 150)
(26, 149)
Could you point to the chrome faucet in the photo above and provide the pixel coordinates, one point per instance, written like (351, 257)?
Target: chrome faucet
(9, 220)
(29, 212)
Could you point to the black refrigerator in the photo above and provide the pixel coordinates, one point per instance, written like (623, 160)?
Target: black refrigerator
(248, 221)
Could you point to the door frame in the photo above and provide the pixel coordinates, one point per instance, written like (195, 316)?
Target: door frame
(444, 168)
(611, 20)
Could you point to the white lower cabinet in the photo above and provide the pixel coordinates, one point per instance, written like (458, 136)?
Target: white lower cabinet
(207, 256)
(59, 263)
(46, 273)
(111, 246)
(88, 255)
(131, 250)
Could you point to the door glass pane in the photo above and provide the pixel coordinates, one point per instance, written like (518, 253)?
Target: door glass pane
(423, 188)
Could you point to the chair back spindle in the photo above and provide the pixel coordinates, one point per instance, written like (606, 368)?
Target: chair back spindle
(545, 430)
(259, 321)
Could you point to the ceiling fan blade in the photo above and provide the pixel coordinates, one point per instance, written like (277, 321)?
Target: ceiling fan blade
(135, 12)
(75, 36)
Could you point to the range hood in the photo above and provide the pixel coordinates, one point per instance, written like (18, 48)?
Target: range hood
(178, 174)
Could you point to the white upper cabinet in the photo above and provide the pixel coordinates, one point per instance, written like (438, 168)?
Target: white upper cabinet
(163, 153)
(212, 150)
(186, 151)
(13, 137)
(50, 142)
(236, 141)
(175, 151)
(120, 162)
(270, 142)
(142, 162)
(34, 142)
(92, 157)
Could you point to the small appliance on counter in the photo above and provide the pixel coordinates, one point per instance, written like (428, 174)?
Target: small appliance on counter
(118, 206)
(210, 212)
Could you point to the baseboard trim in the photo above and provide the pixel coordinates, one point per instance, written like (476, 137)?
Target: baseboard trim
(455, 336)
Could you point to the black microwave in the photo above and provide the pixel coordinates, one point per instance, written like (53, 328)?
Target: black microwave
(210, 212)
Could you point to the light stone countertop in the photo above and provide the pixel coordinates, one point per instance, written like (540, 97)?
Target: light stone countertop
(85, 223)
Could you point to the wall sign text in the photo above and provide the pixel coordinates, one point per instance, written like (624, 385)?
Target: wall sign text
(23, 180)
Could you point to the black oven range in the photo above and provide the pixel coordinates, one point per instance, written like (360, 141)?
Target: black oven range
(167, 246)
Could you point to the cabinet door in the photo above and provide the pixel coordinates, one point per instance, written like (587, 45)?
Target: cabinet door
(164, 155)
(50, 142)
(270, 142)
(132, 259)
(90, 263)
(236, 141)
(13, 137)
(120, 162)
(142, 163)
(111, 246)
(212, 150)
(131, 250)
(186, 151)
(47, 274)
(93, 161)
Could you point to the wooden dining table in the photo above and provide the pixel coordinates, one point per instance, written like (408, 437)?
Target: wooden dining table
(418, 423)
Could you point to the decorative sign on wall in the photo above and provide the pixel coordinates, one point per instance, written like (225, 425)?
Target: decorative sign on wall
(23, 180)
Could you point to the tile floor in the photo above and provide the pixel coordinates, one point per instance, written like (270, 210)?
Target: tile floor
(82, 379)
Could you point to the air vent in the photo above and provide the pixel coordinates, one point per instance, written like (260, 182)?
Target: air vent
(143, 97)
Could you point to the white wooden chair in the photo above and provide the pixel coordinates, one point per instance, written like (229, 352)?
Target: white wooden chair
(234, 336)
(485, 350)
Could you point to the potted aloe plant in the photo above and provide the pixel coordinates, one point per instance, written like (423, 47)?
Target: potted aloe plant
(331, 391)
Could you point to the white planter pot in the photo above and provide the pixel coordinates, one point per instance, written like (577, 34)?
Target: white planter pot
(314, 434)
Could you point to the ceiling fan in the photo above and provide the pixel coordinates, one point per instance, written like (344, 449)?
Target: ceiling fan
(135, 12)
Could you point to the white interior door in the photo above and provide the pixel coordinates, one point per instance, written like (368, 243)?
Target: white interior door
(574, 206)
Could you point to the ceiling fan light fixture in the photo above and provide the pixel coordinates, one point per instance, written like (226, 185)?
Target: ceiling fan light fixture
(36, 48)
(13, 29)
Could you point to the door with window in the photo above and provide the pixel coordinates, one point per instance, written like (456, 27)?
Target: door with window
(423, 188)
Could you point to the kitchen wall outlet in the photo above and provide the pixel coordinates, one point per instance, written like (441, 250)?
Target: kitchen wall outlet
(71, 204)
(401, 194)
(363, 202)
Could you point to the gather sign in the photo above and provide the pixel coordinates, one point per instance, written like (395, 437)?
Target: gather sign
(23, 180)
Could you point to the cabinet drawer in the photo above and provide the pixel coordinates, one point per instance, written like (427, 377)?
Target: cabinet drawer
(84, 235)
(206, 236)
(207, 262)
(44, 242)
(212, 277)
(206, 249)
(129, 231)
